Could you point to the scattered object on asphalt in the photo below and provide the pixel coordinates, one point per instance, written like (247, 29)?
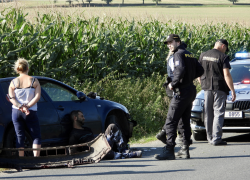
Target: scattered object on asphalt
(98, 148)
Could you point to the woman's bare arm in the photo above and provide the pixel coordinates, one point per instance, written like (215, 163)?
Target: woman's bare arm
(12, 96)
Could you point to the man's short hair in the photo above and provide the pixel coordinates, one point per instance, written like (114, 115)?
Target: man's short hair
(223, 41)
(74, 114)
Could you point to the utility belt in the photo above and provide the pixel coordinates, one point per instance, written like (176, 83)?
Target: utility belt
(176, 91)
(186, 85)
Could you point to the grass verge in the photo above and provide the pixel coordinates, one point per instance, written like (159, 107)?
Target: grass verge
(144, 139)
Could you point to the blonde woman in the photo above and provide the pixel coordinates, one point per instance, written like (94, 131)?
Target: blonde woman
(24, 93)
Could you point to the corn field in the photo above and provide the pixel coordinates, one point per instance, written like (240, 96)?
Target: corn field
(91, 54)
(66, 49)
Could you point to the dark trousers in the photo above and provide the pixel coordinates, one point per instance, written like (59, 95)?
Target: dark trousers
(179, 127)
(20, 120)
(180, 108)
(180, 124)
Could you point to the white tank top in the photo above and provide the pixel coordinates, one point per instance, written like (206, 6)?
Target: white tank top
(25, 95)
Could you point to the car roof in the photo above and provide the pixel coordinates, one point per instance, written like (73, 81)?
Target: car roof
(39, 78)
(240, 61)
(241, 58)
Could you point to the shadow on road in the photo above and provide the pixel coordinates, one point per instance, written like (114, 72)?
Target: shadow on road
(221, 157)
(115, 166)
(97, 174)
(238, 138)
(149, 152)
(232, 137)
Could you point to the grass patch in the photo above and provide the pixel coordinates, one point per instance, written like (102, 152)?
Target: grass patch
(145, 99)
(144, 139)
(4, 169)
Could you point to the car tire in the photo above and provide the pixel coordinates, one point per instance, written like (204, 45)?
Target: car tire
(113, 119)
(10, 142)
(199, 135)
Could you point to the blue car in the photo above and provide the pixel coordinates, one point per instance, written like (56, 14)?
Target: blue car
(56, 102)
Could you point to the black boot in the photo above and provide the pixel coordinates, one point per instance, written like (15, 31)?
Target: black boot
(167, 153)
(183, 152)
(180, 139)
(162, 136)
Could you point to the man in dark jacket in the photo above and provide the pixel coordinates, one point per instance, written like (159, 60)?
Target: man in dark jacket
(186, 69)
(80, 134)
(216, 83)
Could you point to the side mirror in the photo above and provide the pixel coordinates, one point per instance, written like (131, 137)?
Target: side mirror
(92, 95)
(81, 95)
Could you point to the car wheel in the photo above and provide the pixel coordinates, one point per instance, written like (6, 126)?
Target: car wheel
(199, 136)
(113, 119)
(10, 142)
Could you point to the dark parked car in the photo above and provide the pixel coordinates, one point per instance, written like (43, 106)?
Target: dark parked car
(56, 103)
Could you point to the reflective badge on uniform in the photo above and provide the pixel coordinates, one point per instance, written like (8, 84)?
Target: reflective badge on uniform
(177, 63)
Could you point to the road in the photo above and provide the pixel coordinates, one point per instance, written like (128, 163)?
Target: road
(207, 162)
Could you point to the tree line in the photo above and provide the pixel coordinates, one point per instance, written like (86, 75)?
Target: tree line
(109, 1)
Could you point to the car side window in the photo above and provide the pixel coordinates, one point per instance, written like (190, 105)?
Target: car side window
(57, 92)
(5, 86)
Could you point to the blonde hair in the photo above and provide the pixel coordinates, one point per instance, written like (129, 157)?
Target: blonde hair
(21, 65)
(169, 54)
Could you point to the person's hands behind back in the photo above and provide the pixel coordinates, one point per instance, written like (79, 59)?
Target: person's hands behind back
(25, 110)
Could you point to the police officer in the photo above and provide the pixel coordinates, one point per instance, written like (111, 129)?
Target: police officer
(216, 83)
(170, 70)
(187, 68)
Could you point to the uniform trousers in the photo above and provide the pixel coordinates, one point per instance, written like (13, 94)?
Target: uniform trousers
(180, 124)
(214, 110)
(179, 128)
(180, 108)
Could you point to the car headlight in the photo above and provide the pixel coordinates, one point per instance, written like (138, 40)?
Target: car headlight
(198, 102)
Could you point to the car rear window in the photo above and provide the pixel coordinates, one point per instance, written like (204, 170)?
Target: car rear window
(240, 72)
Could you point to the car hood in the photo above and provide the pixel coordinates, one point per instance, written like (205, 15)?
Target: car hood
(242, 92)
(111, 103)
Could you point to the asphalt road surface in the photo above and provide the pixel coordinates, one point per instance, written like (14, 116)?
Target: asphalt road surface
(207, 162)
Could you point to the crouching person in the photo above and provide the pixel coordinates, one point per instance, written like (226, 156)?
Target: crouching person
(80, 134)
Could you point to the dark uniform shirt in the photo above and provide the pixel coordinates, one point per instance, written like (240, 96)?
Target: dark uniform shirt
(78, 136)
(187, 68)
(213, 62)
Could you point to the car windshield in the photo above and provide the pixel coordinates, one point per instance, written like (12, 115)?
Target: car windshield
(240, 72)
